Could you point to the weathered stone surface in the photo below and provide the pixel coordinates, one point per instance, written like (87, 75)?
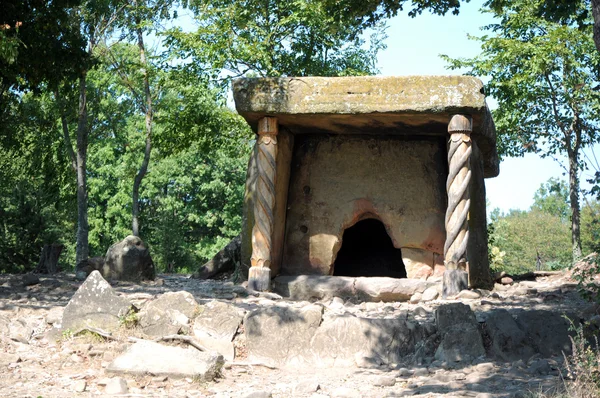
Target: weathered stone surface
(291, 337)
(388, 289)
(7, 358)
(224, 260)
(547, 331)
(30, 279)
(20, 330)
(417, 262)
(461, 340)
(129, 260)
(358, 103)
(508, 341)
(218, 319)
(281, 335)
(167, 314)
(431, 293)
(325, 170)
(147, 357)
(85, 267)
(116, 385)
(322, 287)
(95, 305)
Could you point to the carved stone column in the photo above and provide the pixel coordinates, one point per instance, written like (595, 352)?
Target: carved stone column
(457, 214)
(259, 276)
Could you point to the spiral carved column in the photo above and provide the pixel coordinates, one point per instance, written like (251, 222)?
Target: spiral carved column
(457, 214)
(259, 276)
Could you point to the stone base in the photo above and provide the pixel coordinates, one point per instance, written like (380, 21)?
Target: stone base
(454, 281)
(259, 279)
(323, 287)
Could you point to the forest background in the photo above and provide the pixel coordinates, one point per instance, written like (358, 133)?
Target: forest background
(114, 121)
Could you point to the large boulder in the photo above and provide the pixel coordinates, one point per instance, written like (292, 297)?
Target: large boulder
(216, 325)
(224, 260)
(507, 341)
(95, 305)
(129, 260)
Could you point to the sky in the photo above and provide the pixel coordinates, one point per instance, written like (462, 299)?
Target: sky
(413, 48)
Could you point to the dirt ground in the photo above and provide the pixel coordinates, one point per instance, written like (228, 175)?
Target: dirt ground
(35, 362)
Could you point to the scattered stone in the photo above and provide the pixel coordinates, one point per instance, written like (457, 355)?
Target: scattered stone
(404, 372)
(116, 385)
(85, 267)
(418, 372)
(345, 392)
(384, 381)
(306, 387)
(129, 260)
(431, 293)
(79, 386)
(218, 320)
(54, 315)
(149, 357)
(506, 280)
(468, 294)
(167, 314)
(95, 305)
(30, 280)
(7, 358)
(416, 298)
(336, 303)
(20, 331)
(259, 394)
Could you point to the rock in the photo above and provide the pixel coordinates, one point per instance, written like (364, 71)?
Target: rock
(468, 294)
(306, 387)
(540, 366)
(218, 319)
(129, 260)
(79, 386)
(221, 346)
(147, 357)
(461, 340)
(388, 289)
(416, 298)
(506, 280)
(95, 305)
(30, 280)
(224, 260)
(547, 331)
(259, 394)
(168, 314)
(54, 315)
(384, 381)
(20, 331)
(431, 293)
(280, 334)
(116, 385)
(7, 358)
(508, 341)
(85, 267)
(336, 303)
(320, 287)
(345, 392)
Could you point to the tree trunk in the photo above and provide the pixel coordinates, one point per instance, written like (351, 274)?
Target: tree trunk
(575, 208)
(49, 259)
(82, 249)
(596, 15)
(148, 110)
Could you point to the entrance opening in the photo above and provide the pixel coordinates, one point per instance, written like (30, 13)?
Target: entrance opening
(367, 250)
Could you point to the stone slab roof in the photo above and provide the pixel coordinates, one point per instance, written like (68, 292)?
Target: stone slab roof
(409, 105)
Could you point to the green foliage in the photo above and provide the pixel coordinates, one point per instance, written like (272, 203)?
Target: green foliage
(521, 235)
(552, 197)
(275, 38)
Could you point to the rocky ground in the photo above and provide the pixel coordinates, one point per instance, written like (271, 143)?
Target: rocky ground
(37, 359)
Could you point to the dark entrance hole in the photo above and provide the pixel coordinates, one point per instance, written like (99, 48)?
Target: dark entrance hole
(367, 250)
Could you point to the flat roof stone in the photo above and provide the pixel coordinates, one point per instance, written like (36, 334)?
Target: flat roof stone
(410, 105)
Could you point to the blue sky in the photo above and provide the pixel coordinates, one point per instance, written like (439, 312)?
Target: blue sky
(413, 48)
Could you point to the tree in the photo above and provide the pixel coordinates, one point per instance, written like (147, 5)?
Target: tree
(275, 38)
(552, 197)
(543, 75)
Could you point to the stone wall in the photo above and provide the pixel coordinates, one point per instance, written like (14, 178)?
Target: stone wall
(337, 180)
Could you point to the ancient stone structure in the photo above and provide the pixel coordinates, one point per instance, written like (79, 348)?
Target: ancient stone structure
(367, 176)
